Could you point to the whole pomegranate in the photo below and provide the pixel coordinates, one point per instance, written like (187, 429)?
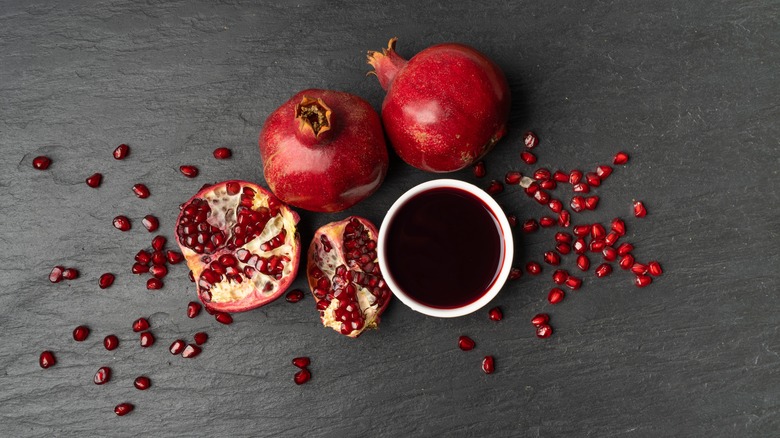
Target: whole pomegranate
(323, 150)
(344, 276)
(445, 108)
(241, 244)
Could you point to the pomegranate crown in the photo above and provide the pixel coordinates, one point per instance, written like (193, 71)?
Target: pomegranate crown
(314, 115)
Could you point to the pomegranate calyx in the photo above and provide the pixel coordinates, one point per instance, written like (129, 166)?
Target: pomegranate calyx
(386, 64)
(313, 116)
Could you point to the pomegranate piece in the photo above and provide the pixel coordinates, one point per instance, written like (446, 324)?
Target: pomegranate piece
(603, 172)
(592, 179)
(140, 325)
(564, 218)
(560, 176)
(158, 243)
(139, 268)
(47, 359)
(546, 221)
(488, 365)
(94, 180)
(141, 191)
(294, 296)
(102, 376)
(513, 177)
(654, 268)
(577, 204)
(479, 169)
(344, 277)
(80, 333)
(530, 140)
(542, 197)
(591, 202)
(123, 409)
(581, 230)
(301, 362)
(223, 318)
(189, 171)
(625, 248)
(555, 205)
(106, 280)
(55, 276)
(560, 276)
(200, 338)
(193, 309)
(620, 158)
(302, 376)
(465, 343)
(110, 342)
(540, 319)
(222, 153)
(41, 162)
(583, 263)
(173, 257)
(552, 258)
(241, 244)
(626, 262)
(579, 246)
(533, 268)
(603, 270)
(143, 257)
(609, 253)
(556, 295)
(581, 188)
(159, 271)
(612, 238)
(639, 269)
(597, 232)
(495, 314)
(642, 280)
(122, 223)
(146, 339)
(530, 226)
(151, 223)
(121, 151)
(154, 283)
(639, 209)
(618, 226)
(495, 187)
(528, 157)
(142, 383)
(177, 346)
(544, 331)
(573, 282)
(70, 274)
(575, 176)
(191, 351)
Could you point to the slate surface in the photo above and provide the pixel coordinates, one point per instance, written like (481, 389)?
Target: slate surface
(689, 89)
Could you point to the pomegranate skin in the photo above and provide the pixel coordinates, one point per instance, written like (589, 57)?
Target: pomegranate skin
(326, 168)
(445, 108)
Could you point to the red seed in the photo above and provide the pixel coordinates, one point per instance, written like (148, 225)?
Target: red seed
(564, 218)
(154, 284)
(80, 333)
(515, 273)
(603, 172)
(201, 338)
(540, 319)
(654, 268)
(41, 162)
(560, 176)
(552, 258)
(151, 223)
(573, 282)
(598, 232)
(542, 174)
(95, 180)
(488, 364)
(620, 158)
(546, 221)
(580, 246)
(142, 383)
(189, 171)
(123, 409)
(139, 268)
(177, 346)
(103, 375)
(626, 262)
(562, 237)
(532, 189)
(618, 226)
(495, 187)
(610, 254)
(575, 176)
(111, 342)
(193, 309)
(625, 248)
(612, 238)
(639, 269)
(223, 318)
(173, 257)
(512, 219)
(70, 274)
(528, 157)
(222, 153)
(583, 262)
(294, 296)
(47, 359)
(513, 177)
(555, 205)
(592, 179)
(530, 226)
(122, 223)
(495, 314)
(642, 280)
(143, 257)
(55, 276)
(121, 151)
(533, 268)
(639, 209)
(147, 339)
(301, 362)
(542, 197)
(302, 376)
(581, 188)
(544, 331)
(577, 204)
(581, 230)
(479, 169)
(556, 295)
(548, 184)
(560, 276)
(530, 140)
(465, 343)
(603, 270)
(591, 202)
(158, 271)
(141, 191)
(563, 248)
(597, 245)
(106, 280)
(158, 243)
(140, 325)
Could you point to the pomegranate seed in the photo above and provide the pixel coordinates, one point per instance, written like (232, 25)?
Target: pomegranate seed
(654, 268)
(110, 342)
(573, 282)
(577, 204)
(579, 246)
(106, 280)
(592, 179)
(564, 218)
(642, 280)
(515, 273)
(140, 325)
(563, 248)
(532, 189)
(189, 171)
(562, 237)
(597, 245)
(141, 191)
(603, 172)
(151, 223)
(610, 254)
(560, 176)
(626, 262)
(540, 319)
(533, 268)
(158, 243)
(159, 271)
(611, 238)
(618, 226)
(173, 257)
(121, 151)
(591, 202)
(575, 176)
(583, 262)
(512, 219)
(191, 351)
(543, 331)
(495, 314)
(80, 333)
(542, 174)
(552, 258)
(542, 197)
(191, 277)
(222, 153)
(193, 309)
(465, 343)
(177, 346)
(123, 409)
(639, 209)
(55, 276)
(598, 232)
(70, 274)
(495, 187)
(530, 140)
(301, 362)
(555, 205)
(639, 269)
(488, 364)
(620, 158)
(479, 169)
(47, 359)
(581, 188)
(41, 162)
(154, 284)
(603, 270)
(555, 296)
(625, 248)
(138, 268)
(547, 222)
(201, 338)
(581, 230)
(294, 296)
(302, 377)
(513, 177)
(95, 180)
(530, 226)
(143, 257)
(147, 339)
(122, 223)
(528, 157)
(223, 318)
(102, 375)
(548, 184)
(142, 383)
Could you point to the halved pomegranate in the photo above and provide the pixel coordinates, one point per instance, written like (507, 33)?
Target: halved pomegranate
(241, 244)
(344, 276)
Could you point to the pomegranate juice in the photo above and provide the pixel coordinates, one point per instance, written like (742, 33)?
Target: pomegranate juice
(444, 248)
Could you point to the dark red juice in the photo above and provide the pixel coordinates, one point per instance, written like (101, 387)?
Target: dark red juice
(444, 248)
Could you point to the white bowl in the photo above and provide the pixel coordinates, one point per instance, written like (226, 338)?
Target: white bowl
(506, 260)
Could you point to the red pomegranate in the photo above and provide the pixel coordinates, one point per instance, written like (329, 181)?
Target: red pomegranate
(241, 244)
(344, 276)
(323, 150)
(445, 108)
